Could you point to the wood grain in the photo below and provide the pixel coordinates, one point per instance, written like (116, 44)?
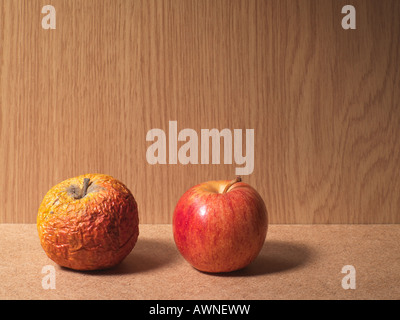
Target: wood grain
(324, 102)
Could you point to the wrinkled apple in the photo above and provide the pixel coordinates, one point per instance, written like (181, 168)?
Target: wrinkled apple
(88, 222)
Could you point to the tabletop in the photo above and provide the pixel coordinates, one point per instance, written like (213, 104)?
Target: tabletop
(296, 262)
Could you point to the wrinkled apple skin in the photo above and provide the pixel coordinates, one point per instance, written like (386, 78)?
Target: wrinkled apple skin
(95, 232)
(220, 232)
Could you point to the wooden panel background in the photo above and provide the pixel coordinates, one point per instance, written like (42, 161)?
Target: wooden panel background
(324, 102)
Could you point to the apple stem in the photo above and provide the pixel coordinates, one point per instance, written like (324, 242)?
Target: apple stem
(230, 184)
(85, 187)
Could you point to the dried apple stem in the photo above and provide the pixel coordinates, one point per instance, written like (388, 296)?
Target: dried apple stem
(230, 184)
(85, 187)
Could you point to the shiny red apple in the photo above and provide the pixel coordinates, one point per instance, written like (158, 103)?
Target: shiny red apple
(220, 226)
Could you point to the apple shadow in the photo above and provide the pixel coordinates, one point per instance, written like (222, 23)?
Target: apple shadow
(275, 256)
(146, 255)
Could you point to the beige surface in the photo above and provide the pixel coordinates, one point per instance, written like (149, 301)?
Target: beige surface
(297, 262)
(324, 102)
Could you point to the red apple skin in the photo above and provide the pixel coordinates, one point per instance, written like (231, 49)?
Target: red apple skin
(220, 232)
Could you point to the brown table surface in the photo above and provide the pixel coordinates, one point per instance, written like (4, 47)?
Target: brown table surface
(297, 262)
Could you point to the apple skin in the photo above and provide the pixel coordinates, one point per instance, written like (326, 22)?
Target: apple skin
(91, 231)
(220, 232)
